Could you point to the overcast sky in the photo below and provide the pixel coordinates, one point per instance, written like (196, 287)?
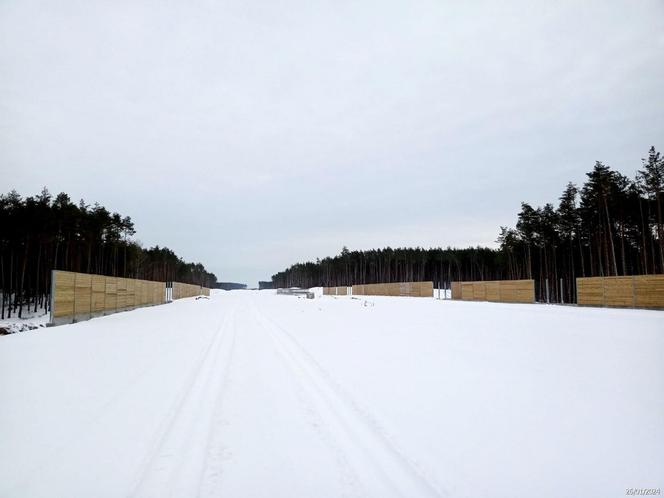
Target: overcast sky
(250, 135)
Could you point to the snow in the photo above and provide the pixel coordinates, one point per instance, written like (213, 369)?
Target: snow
(258, 395)
(30, 320)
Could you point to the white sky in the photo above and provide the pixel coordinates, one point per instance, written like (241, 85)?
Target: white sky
(253, 135)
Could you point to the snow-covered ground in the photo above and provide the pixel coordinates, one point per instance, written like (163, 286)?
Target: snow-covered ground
(30, 320)
(250, 394)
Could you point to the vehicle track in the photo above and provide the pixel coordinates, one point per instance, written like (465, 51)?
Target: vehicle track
(212, 467)
(178, 456)
(360, 440)
(101, 413)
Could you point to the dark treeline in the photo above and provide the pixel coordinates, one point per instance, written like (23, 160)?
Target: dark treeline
(230, 286)
(41, 233)
(611, 225)
(395, 265)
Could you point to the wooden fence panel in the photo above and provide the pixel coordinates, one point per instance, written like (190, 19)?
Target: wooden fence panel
(98, 304)
(152, 298)
(111, 295)
(64, 288)
(138, 293)
(160, 292)
(80, 296)
(516, 291)
(181, 290)
(619, 291)
(649, 291)
(335, 291)
(467, 291)
(479, 291)
(145, 293)
(492, 291)
(425, 289)
(131, 296)
(83, 296)
(507, 291)
(122, 293)
(407, 289)
(641, 291)
(590, 291)
(358, 290)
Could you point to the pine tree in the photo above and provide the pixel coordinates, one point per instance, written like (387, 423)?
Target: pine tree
(652, 180)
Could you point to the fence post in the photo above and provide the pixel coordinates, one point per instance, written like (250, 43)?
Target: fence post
(51, 297)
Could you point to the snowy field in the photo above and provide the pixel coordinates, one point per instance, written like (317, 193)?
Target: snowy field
(250, 394)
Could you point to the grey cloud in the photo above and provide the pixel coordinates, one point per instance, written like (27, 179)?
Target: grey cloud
(250, 135)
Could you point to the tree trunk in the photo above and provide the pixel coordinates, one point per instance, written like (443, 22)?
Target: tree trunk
(21, 287)
(608, 226)
(660, 231)
(583, 264)
(37, 290)
(622, 248)
(643, 238)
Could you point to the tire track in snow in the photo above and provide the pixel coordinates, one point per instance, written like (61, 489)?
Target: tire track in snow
(365, 445)
(174, 465)
(211, 470)
(348, 477)
(102, 412)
